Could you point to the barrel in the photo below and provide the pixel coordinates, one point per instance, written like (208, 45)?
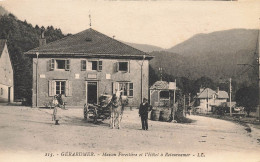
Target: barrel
(155, 115)
(165, 115)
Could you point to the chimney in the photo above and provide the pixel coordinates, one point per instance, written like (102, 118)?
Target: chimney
(42, 40)
(201, 88)
(217, 90)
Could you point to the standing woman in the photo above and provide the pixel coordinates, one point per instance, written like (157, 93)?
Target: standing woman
(56, 109)
(143, 113)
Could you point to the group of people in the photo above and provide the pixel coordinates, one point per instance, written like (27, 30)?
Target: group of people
(144, 109)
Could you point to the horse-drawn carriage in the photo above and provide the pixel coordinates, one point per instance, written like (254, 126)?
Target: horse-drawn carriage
(100, 111)
(109, 107)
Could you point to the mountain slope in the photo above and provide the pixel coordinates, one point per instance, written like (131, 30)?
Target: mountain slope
(215, 55)
(220, 42)
(145, 47)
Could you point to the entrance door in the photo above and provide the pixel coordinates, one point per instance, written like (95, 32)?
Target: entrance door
(9, 94)
(92, 92)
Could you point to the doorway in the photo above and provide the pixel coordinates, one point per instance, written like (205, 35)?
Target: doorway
(9, 94)
(92, 89)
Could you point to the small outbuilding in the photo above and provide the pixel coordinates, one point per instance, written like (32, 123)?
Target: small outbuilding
(161, 93)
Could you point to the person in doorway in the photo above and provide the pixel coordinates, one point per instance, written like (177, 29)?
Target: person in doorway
(143, 113)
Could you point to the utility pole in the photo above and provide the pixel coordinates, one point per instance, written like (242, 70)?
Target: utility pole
(258, 57)
(230, 90)
(207, 100)
(184, 107)
(142, 77)
(37, 78)
(189, 99)
(173, 111)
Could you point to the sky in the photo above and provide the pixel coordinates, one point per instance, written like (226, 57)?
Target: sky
(160, 23)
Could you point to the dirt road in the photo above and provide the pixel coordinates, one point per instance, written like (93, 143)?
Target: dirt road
(30, 131)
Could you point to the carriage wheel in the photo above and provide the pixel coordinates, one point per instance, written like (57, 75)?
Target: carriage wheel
(95, 116)
(85, 112)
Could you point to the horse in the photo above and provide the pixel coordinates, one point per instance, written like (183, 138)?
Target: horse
(116, 106)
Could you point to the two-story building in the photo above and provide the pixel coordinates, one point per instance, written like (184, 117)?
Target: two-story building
(207, 98)
(6, 74)
(84, 66)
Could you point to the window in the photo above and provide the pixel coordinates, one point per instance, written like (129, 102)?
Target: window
(93, 65)
(100, 65)
(123, 66)
(83, 65)
(2, 91)
(164, 95)
(131, 89)
(126, 88)
(60, 64)
(60, 87)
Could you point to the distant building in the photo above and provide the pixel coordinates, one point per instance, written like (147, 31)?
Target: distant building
(85, 65)
(6, 74)
(207, 98)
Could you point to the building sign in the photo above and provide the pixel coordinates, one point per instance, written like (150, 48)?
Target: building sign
(42, 75)
(108, 76)
(76, 76)
(92, 76)
(172, 85)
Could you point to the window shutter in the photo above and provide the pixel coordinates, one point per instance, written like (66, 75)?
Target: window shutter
(68, 91)
(115, 85)
(131, 89)
(113, 88)
(99, 65)
(51, 87)
(67, 65)
(52, 63)
(117, 66)
(129, 66)
(83, 65)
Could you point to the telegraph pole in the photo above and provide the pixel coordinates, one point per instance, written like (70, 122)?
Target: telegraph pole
(258, 57)
(189, 99)
(230, 90)
(37, 78)
(207, 100)
(184, 107)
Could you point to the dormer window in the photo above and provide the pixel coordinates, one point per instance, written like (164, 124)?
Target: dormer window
(88, 39)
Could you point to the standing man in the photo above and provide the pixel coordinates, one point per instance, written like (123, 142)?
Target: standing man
(143, 112)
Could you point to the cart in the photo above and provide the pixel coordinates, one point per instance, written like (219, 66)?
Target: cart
(98, 111)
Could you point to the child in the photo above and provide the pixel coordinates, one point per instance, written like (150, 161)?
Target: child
(143, 112)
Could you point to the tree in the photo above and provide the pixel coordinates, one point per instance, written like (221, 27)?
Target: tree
(248, 98)
(153, 76)
(22, 37)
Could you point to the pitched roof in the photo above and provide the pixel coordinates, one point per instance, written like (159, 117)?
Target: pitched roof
(88, 42)
(2, 45)
(160, 85)
(208, 93)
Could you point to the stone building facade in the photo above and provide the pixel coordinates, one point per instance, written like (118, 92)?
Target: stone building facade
(86, 65)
